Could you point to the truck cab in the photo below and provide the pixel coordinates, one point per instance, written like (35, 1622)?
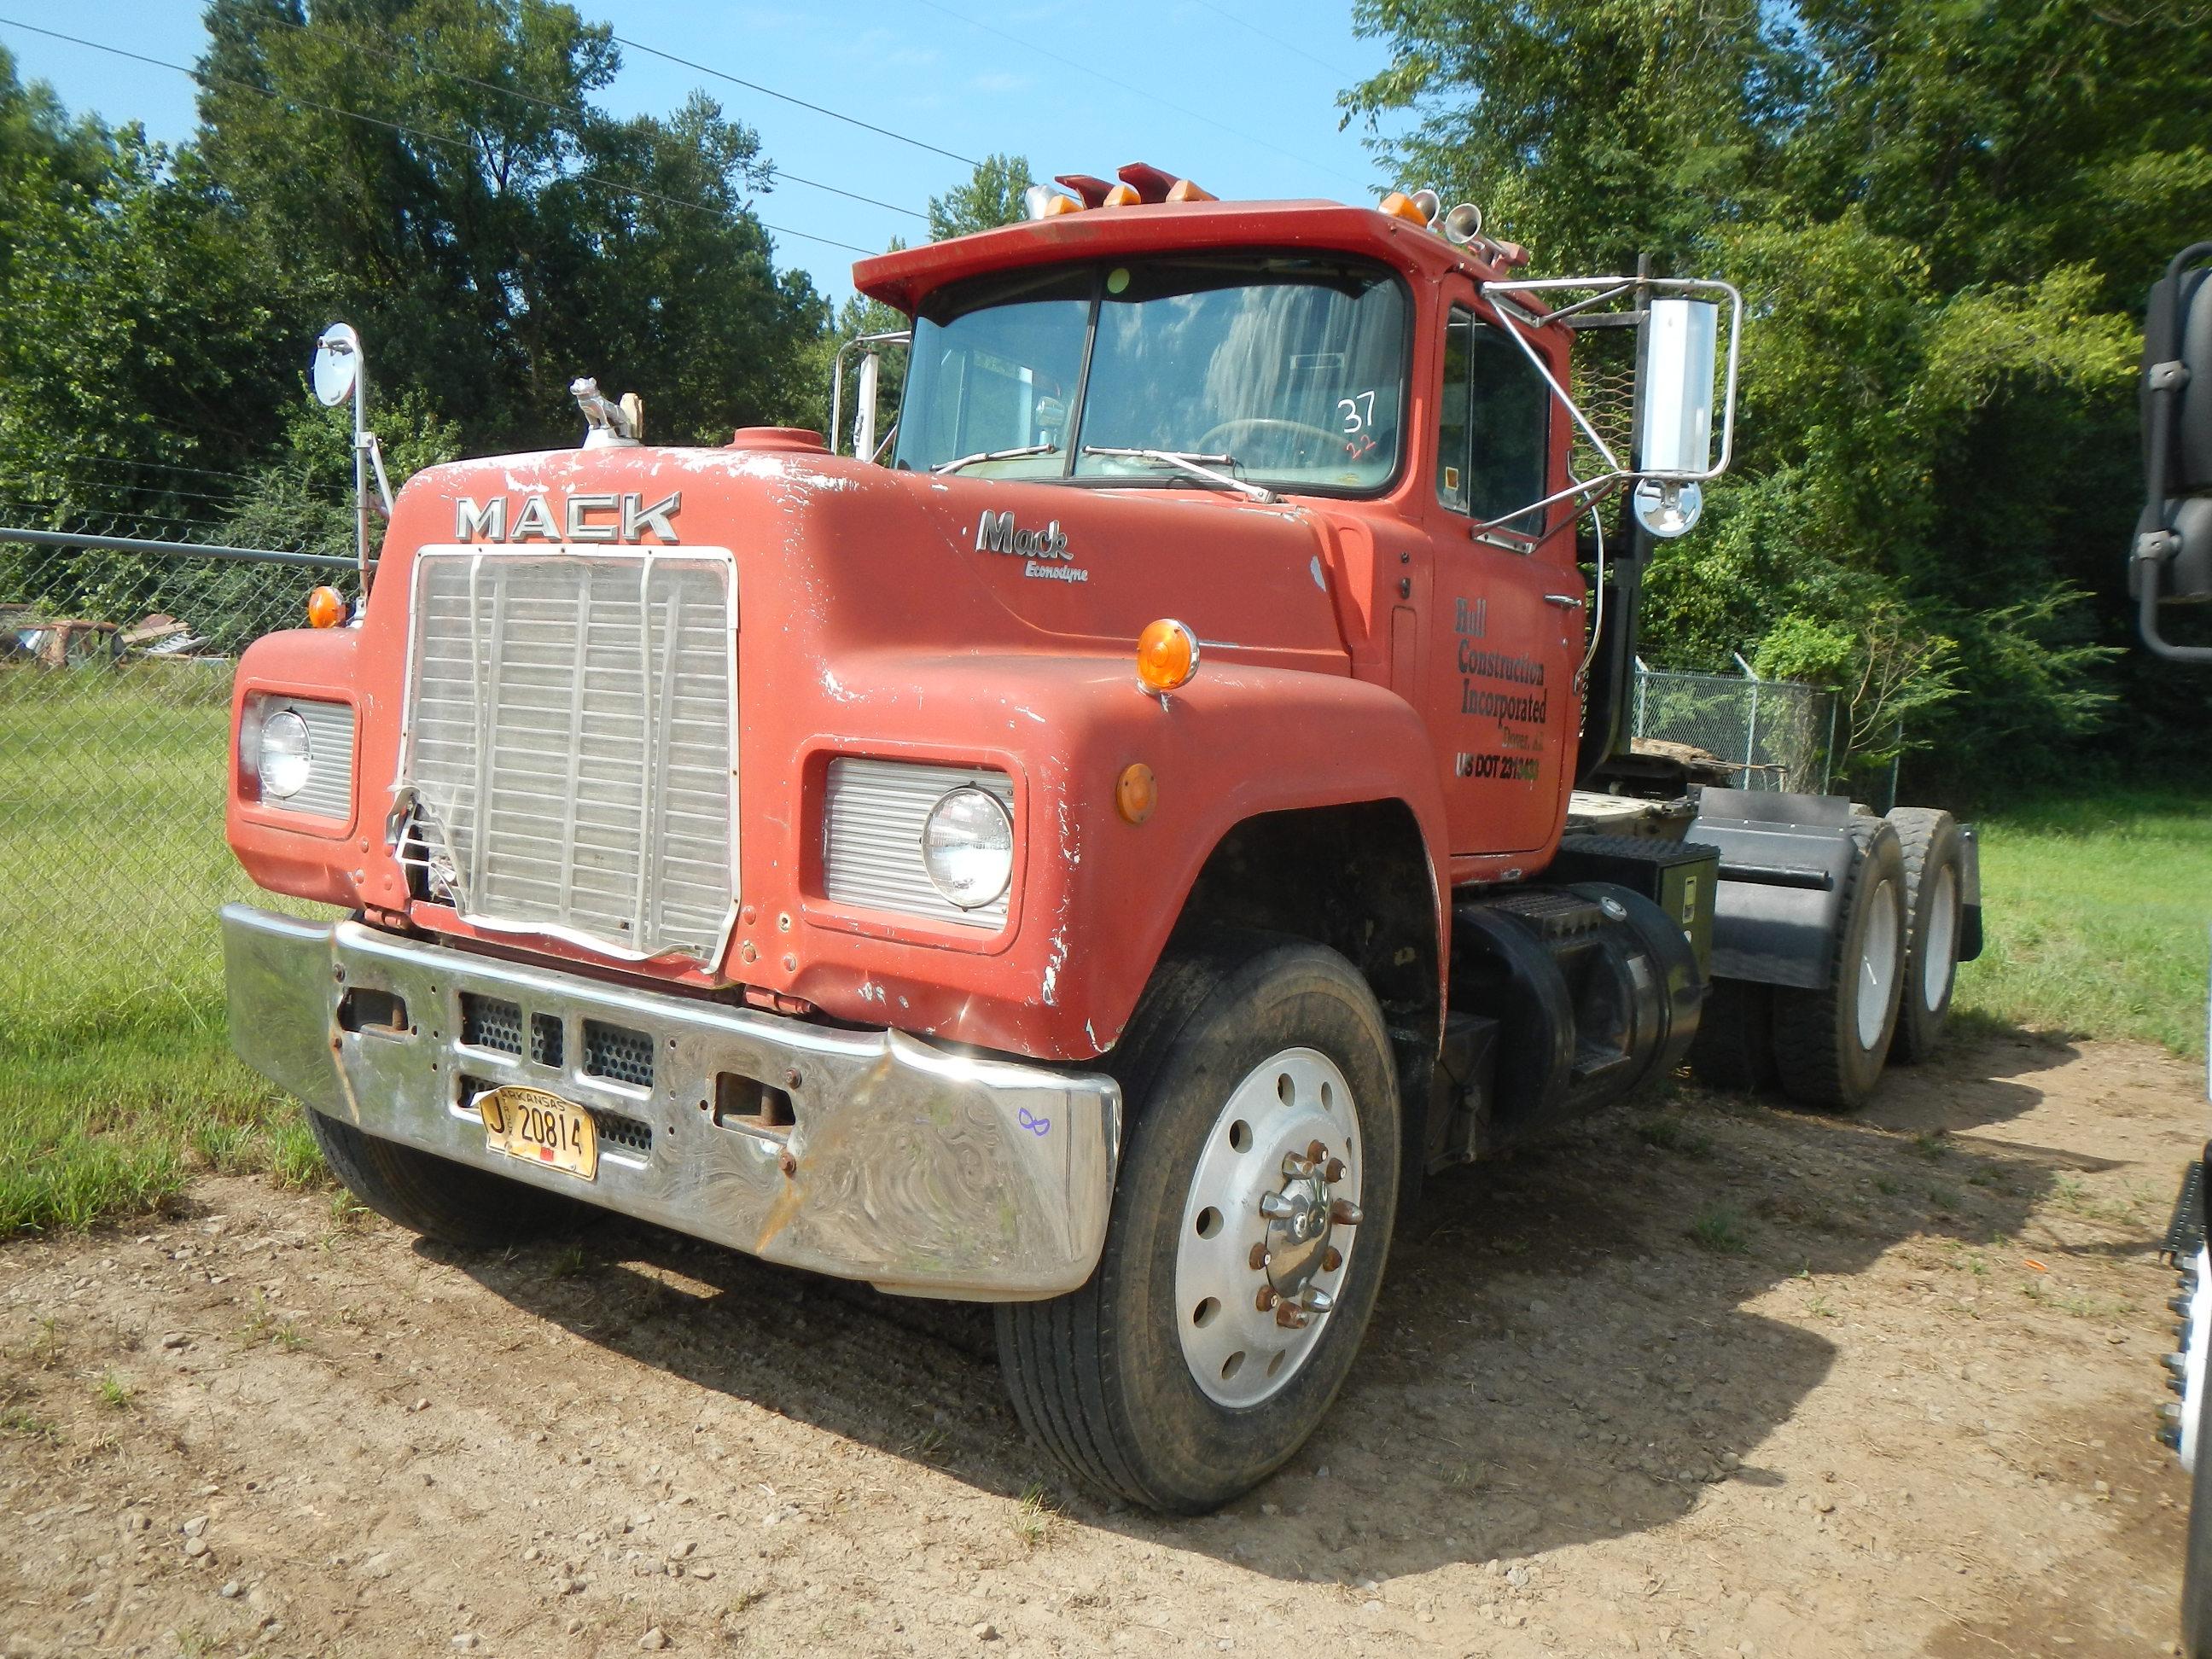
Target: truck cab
(1093, 852)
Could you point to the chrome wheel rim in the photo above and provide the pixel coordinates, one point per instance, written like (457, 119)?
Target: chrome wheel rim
(1938, 955)
(1268, 1227)
(1877, 966)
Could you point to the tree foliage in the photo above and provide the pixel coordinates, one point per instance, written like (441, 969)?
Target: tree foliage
(992, 196)
(1943, 218)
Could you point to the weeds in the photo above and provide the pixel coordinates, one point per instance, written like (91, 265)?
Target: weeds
(1946, 1199)
(925, 1448)
(573, 1261)
(112, 1391)
(1035, 1519)
(1717, 1228)
(22, 1423)
(1931, 1143)
(1672, 1134)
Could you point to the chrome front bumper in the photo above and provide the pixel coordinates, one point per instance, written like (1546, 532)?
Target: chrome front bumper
(918, 1170)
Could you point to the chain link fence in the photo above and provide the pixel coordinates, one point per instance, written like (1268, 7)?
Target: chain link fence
(115, 678)
(1779, 734)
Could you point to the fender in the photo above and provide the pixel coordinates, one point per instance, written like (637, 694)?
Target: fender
(1238, 741)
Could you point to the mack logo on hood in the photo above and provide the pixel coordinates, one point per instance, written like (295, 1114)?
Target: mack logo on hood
(995, 533)
(586, 518)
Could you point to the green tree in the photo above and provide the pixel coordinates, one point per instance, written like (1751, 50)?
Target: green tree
(435, 171)
(991, 197)
(1919, 202)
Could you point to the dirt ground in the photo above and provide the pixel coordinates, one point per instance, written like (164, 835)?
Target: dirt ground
(1705, 1378)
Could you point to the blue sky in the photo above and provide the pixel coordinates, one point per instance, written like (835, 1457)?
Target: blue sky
(1237, 94)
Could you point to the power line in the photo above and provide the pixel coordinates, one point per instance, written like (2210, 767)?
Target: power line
(159, 467)
(1100, 74)
(449, 141)
(755, 86)
(552, 104)
(1275, 40)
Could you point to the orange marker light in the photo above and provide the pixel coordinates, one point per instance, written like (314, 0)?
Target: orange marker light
(1136, 792)
(327, 608)
(1054, 206)
(1122, 196)
(1183, 190)
(1398, 205)
(1167, 655)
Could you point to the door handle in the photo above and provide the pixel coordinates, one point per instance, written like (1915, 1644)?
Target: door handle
(1568, 601)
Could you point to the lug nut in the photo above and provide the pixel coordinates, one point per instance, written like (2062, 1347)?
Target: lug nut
(1318, 1301)
(1290, 1317)
(1259, 1257)
(1345, 1213)
(2177, 1384)
(1316, 1150)
(1331, 1258)
(2170, 1412)
(1332, 1171)
(2170, 1438)
(1266, 1299)
(1276, 1207)
(2179, 1304)
(2176, 1363)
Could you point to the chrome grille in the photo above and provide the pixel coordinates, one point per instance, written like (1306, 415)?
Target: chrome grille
(872, 836)
(570, 743)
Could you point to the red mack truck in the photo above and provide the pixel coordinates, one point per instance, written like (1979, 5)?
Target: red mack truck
(1096, 852)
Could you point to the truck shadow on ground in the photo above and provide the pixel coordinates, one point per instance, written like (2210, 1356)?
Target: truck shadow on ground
(1563, 1352)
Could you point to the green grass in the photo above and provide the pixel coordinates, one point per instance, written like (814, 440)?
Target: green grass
(2096, 914)
(117, 1081)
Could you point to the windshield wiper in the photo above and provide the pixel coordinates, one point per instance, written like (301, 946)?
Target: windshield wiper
(1021, 454)
(1193, 465)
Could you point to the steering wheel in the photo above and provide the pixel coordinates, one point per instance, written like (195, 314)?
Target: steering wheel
(1210, 441)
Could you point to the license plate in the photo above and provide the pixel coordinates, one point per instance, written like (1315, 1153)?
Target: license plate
(541, 1129)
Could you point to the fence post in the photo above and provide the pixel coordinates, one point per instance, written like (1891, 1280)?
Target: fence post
(1751, 732)
(1828, 764)
(1643, 689)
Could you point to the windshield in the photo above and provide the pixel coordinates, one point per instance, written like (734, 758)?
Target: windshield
(1283, 370)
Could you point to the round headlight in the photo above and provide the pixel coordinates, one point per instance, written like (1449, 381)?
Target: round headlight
(967, 847)
(286, 755)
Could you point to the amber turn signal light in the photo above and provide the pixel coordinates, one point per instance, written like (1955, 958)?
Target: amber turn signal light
(1167, 655)
(1136, 792)
(1122, 196)
(327, 608)
(1184, 190)
(1398, 205)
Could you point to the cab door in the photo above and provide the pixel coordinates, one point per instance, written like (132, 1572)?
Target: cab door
(1507, 610)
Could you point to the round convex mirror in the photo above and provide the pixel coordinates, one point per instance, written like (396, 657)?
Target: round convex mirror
(337, 364)
(1667, 509)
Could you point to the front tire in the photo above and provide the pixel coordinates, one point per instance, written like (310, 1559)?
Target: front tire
(438, 1198)
(1247, 1049)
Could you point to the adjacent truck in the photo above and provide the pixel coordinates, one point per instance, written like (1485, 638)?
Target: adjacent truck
(1094, 851)
(2170, 567)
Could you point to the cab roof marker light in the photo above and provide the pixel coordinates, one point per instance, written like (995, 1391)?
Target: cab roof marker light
(1120, 196)
(1089, 189)
(1398, 205)
(1184, 190)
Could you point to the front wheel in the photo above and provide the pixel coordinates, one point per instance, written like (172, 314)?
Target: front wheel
(438, 1198)
(1258, 1188)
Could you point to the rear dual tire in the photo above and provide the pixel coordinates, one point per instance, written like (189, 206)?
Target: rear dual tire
(1830, 1044)
(1935, 898)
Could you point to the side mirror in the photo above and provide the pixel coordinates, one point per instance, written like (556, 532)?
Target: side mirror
(1674, 401)
(2170, 562)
